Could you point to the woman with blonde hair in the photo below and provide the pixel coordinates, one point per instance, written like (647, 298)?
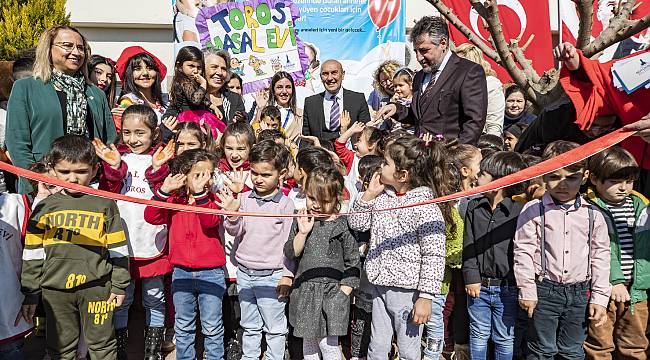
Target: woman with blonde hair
(496, 102)
(383, 84)
(57, 100)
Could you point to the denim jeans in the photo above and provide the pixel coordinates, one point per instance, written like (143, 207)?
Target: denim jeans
(12, 350)
(435, 328)
(492, 315)
(261, 311)
(153, 300)
(559, 324)
(201, 289)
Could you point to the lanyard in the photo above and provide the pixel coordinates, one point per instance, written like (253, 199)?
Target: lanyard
(286, 119)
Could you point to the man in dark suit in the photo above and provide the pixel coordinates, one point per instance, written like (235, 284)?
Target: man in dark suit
(322, 112)
(449, 93)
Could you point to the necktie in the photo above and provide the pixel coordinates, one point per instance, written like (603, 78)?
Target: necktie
(335, 115)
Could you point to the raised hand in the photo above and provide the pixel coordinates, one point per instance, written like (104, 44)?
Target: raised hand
(173, 183)
(107, 153)
(357, 127)
(162, 155)
(228, 200)
(567, 53)
(170, 122)
(345, 120)
(201, 81)
(261, 98)
(199, 181)
(305, 223)
(312, 139)
(236, 181)
(427, 137)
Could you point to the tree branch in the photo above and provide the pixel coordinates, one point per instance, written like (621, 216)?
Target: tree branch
(619, 28)
(458, 24)
(586, 12)
(489, 11)
(518, 53)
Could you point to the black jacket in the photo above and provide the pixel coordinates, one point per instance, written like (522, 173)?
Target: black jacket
(313, 121)
(488, 240)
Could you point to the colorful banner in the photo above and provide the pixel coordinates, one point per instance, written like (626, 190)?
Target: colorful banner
(260, 37)
(361, 34)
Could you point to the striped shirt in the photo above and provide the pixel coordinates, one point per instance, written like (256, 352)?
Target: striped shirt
(623, 214)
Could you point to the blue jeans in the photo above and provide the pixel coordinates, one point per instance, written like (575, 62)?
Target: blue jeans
(435, 328)
(12, 350)
(493, 314)
(153, 300)
(559, 324)
(202, 289)
(261, 311)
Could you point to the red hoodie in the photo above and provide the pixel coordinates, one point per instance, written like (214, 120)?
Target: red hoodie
(194, 240)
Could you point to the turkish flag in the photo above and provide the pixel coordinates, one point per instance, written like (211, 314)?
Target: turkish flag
(518, 18)
(603, 12)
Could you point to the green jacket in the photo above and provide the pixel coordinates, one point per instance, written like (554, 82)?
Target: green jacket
(454, 249)
(74, 241)
(34, 120)
(641, 272)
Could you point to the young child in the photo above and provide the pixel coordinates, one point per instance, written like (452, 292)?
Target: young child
(195, 251)
(561, 263)
(270, 118)
(512, 134)
(260, 261)
(370, 141)
(361, 316)
(623, 336)
(188, 87)
(141, 73)
(124, 170)
(490, 225)
(406, 256)
(307, 160)
(403, 85)
(75, 257)
(328, 268)
(236, 143)
(14, 212)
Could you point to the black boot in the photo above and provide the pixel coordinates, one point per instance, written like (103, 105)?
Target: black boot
(122, 337)
(153, 338)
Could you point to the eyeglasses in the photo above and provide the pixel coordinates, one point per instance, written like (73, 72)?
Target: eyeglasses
(69, 47)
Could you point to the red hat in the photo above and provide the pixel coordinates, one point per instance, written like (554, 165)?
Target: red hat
(132, 51)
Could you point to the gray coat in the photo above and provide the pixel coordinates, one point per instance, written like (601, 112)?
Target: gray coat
(317, 307)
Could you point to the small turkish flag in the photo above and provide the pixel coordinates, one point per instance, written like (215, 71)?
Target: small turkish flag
(519, 19)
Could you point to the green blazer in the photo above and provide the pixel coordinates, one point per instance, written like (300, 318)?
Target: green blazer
(34, 120)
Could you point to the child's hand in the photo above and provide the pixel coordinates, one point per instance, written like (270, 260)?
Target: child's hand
(284, 287)
(312, 139)
(620, 293)
(163, 155)
(201, 81)
(421, 311)
(118, 299)
(473, 290)
(236, 181)
(198, 182)
(347, 290)
(305, 223)
(427, 137)
(170, 122)
(228, 200)
(107, 153)
(261, 98)
(597, 314)
(374, 188)
(356, 128)
(173, 182)
(345, 120)
(528, 306)
(26, 312)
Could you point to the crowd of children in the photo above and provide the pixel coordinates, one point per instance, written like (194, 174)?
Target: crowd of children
(557, 267)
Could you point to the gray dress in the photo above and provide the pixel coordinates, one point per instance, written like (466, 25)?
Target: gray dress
(317, 307)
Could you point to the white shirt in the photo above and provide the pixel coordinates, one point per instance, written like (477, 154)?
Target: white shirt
(428, 76)
(328, 100)
(286, 117)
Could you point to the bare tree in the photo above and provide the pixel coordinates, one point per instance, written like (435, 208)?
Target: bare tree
(543, 89)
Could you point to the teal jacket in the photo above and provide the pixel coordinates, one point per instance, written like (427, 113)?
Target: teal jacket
(35, 119)
(641, 272)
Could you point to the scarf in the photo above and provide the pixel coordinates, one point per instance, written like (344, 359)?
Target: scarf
(76, 102)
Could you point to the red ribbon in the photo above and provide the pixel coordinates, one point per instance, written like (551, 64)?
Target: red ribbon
(545, 167)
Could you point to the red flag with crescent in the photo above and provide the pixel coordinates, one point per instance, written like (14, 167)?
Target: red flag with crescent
(519, 19)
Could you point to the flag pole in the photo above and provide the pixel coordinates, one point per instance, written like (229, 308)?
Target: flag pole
(559, 28)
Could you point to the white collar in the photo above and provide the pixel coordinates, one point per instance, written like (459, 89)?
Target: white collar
(339, 94)
(445, 60)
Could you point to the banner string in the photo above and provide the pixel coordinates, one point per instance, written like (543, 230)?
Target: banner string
(545, 167)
